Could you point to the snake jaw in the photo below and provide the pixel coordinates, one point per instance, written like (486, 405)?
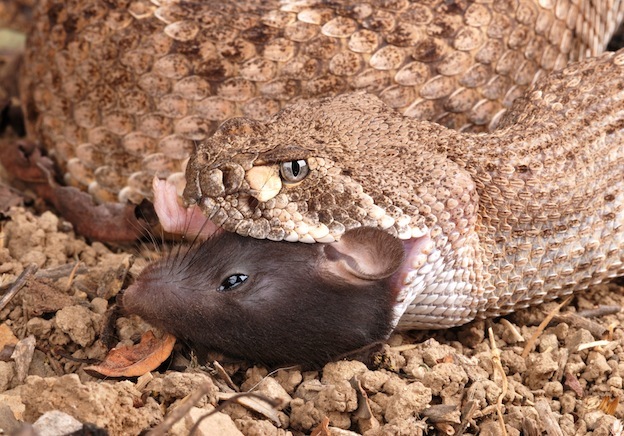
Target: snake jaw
(254, 202)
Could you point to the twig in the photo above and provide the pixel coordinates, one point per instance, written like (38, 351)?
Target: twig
(581, 321)
(61, 271)
(593, 344)
(18, 284)
(275, 371)
(486, 411)
(224, 376)
(547, 418)
(189, 402)
(600, 311)
(256, 402)
(529, 345)
(499, 366)
(467, 413)
(72, 276)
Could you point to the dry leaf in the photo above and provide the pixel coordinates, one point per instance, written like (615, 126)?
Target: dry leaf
(322, 429)
(112, 281)
(135, 360)
(573, 383)
(364, 416)
(609, 404)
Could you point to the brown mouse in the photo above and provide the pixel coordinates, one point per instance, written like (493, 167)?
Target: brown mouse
(274, 302)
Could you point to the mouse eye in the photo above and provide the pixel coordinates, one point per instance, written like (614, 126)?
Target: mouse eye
(232, 281)
(294, 171)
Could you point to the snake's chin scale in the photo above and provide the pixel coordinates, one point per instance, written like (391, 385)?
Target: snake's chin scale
(415, 258)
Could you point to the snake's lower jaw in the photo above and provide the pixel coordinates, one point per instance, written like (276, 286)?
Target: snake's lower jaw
(416, 252)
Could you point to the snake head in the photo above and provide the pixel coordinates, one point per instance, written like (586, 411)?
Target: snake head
(316, 170)
(295, 178)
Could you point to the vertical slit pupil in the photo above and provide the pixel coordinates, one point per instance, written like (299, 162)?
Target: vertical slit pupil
(295, 168)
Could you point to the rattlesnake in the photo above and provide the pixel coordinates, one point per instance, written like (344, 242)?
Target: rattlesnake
(120, 92)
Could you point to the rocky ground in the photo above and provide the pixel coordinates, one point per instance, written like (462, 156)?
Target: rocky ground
(460, 381)
(444, 382)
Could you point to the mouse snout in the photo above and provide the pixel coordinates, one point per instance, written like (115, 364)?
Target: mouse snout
(126, 299)
(148, 294)
(139, 299)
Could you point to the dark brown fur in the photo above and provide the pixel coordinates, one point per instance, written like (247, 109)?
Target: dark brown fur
(300, 304)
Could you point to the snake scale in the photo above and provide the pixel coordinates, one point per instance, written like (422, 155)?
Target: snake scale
(122, 91)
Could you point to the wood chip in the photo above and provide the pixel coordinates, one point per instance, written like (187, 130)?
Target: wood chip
(549, 421)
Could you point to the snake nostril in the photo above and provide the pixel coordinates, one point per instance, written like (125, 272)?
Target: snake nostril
(233, 176)
(212, 183)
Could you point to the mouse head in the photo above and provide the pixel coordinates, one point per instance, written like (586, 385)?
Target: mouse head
(274, 302)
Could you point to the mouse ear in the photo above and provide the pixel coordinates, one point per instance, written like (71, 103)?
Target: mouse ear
(364, 253)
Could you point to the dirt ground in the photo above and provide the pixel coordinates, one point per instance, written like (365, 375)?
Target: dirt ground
(444, 382)
(457, 381)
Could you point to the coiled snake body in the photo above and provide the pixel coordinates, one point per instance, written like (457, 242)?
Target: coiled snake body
(120, 92)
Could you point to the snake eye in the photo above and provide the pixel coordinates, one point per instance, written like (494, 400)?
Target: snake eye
(232, 281)
(294, 171)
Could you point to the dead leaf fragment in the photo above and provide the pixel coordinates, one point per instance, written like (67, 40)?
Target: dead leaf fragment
(572, 382)
(364, 415)
(322, 429)
(112, 281)
(135, 360)
(609, 404)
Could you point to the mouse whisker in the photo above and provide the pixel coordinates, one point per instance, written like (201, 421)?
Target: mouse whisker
(196, 240)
